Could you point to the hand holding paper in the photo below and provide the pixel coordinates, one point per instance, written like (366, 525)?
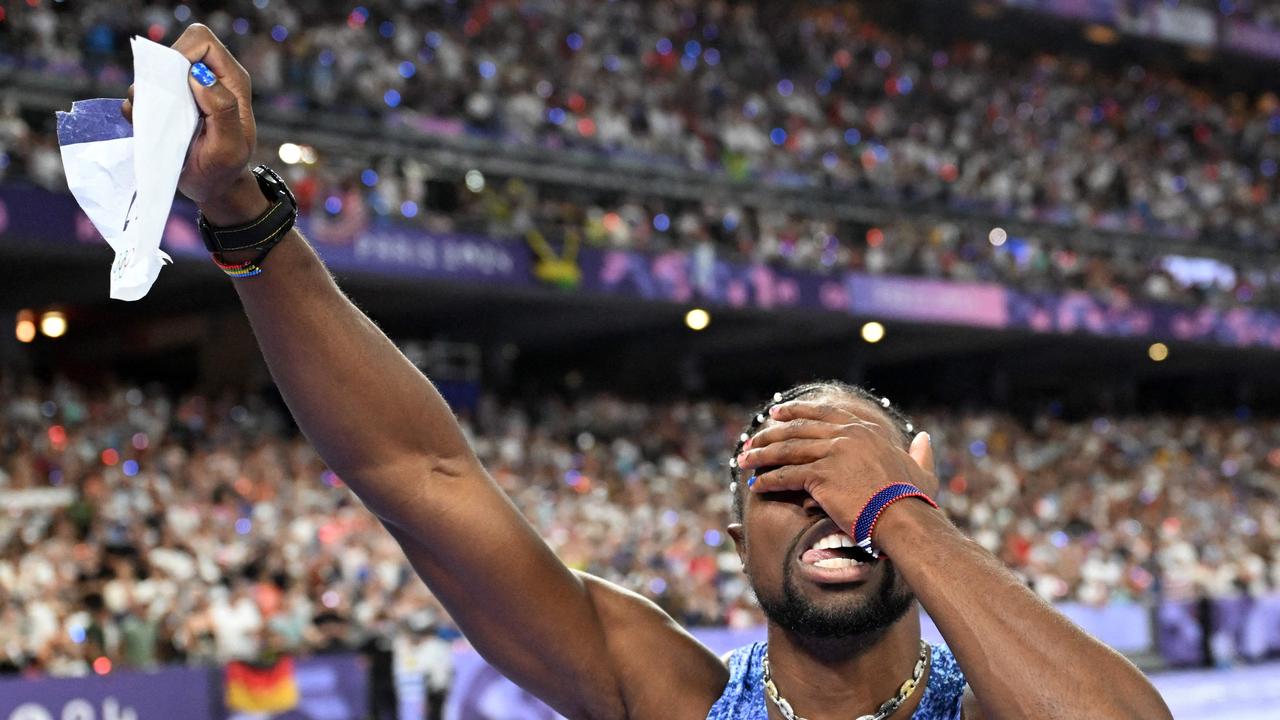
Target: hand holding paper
(124, 178)
(191, 131)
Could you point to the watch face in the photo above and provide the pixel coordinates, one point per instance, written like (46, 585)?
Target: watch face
(273, 185)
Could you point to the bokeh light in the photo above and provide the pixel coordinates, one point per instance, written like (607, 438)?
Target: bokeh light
(53, 324)
(290, 154)
(697, 319)
(25, 327)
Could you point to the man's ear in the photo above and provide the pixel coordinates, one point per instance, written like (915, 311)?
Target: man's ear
(739, 541)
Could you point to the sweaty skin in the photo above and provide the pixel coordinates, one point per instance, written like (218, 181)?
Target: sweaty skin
(586, 647)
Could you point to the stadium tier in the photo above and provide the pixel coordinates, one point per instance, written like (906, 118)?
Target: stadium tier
(1042, 171)
(165, 496)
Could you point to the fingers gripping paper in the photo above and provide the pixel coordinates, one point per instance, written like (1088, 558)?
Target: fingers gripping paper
(124, 177)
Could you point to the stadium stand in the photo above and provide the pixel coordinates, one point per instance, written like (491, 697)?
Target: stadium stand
(829, 100)
(202, 528)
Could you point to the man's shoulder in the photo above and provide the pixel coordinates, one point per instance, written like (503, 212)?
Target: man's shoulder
(666, 671)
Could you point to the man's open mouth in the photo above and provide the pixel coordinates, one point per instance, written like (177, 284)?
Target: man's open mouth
(833, 551)
(829, 555)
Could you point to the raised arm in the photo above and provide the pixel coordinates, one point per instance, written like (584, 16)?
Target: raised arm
(1022, 658)
(570, 639)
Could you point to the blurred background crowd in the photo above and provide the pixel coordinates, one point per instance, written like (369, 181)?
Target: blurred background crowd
(809, 96)
(157, 505)
(153, 528)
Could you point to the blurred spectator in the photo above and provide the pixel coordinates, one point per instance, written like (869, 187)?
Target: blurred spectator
(424, 651)
(378, 648)
(334, 634)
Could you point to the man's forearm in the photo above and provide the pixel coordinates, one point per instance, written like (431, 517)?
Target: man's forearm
(361, 403)
(1022, 658)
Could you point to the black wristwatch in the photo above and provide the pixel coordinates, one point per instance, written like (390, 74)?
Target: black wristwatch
(262, 233)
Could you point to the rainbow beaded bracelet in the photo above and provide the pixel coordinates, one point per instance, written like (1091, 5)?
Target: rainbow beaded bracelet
(240, 271)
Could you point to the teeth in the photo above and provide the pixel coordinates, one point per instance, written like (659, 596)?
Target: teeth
(833, 541)
(837, 563)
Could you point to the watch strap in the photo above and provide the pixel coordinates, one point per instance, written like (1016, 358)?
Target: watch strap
(263, 232)
(266, 230)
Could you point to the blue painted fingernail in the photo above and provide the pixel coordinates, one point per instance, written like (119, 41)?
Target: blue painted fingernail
(203, 74)
(751, 480)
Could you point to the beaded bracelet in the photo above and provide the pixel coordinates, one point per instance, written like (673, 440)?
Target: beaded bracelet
(240, 271)
(884, 497)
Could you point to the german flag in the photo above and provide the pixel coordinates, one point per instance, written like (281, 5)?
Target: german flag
(262, 689)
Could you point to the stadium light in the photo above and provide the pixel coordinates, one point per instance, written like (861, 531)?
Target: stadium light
(697, 319)
(290, 154)
(1158, 352)
(53, 324)
(25, 330)
(1101, 35)
(873, 332)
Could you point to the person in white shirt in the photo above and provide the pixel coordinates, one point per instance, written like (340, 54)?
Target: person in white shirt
(422, 655)
(236, 622)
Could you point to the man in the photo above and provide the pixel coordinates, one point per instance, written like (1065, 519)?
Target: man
(425, 659)
(591, 649)
(377, 648)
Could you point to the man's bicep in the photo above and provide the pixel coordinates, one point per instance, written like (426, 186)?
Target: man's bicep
(525, 612)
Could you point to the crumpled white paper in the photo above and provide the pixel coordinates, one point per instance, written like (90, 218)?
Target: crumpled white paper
(123, 177)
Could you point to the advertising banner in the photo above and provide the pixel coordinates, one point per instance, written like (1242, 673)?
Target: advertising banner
(388, 249)
(697, 276)
(326, 688)
(1187, 25)
(1093, 10)
(931, 301)
(161, 695)
(1251, 39)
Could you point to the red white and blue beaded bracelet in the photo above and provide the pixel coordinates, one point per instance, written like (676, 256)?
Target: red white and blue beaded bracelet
(884, 497)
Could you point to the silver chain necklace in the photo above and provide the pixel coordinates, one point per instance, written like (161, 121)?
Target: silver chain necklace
(887, 708)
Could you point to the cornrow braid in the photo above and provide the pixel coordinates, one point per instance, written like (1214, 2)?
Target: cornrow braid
(902, 424)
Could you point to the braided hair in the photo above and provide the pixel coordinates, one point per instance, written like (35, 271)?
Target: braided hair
(902, 425)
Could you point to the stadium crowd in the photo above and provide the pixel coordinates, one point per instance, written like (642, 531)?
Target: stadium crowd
(792, 94)
(823, 99)
(154, 528)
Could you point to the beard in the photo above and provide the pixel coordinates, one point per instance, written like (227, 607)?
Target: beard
(849, 616)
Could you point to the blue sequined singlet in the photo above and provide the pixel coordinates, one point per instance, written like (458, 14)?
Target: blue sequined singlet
(743, 697)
